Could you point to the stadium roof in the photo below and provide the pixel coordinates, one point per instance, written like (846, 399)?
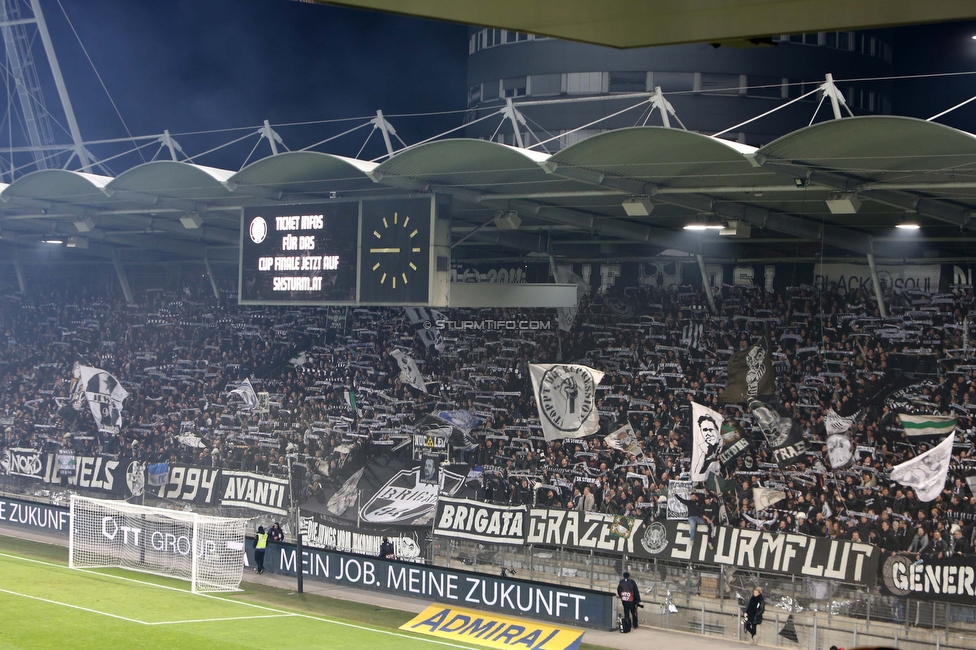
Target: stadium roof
(638, 23)
(875, 172)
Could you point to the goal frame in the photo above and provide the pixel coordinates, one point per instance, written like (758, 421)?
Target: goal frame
(192, 523)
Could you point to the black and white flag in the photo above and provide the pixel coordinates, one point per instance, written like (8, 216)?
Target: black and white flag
(706, 441)
(751, 373)
(565, 395)
(840, 451)
(246, 392)
(835, 423)
(782, 433)
(624, 439)
(927, 472)
(409, 372)
(676, 509)
(425, 321)
(105, 396)
(691, 335)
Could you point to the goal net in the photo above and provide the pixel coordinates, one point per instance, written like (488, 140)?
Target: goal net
(207, 551)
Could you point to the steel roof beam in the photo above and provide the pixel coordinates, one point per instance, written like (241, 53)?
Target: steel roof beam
(841, 237)
(902, 200)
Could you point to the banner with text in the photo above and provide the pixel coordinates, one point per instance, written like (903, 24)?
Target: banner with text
(581, 530)
(756, 550)
(537, 600)
(247, 490)
(491, 631)
(855, 277)
(409, 544)
(480, 522)
(28, 463)
(197, 485)
(952, 579)
(36, 516)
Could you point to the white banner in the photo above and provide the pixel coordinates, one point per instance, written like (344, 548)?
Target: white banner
(852, 277)
(565, 395)
(927, 472)
(706, 444)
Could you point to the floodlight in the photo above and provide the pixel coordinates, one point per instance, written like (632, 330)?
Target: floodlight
(508, 220)
(638, 206)
(846, 203)
(85, 225)
(191, 221)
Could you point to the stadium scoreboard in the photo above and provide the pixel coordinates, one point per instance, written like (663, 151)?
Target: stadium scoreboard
(378, 252)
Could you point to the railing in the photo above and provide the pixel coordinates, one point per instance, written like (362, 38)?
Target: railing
(709, 600)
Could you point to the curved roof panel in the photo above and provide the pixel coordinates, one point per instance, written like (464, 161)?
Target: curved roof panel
(663, 156)
(174, 180)
(465, 162)
(305, 171)
(58, 185)
(876, 144)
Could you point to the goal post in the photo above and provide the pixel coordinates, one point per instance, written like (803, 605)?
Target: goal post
(207, 551)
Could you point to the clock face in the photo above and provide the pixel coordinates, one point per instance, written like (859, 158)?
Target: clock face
(395, 253)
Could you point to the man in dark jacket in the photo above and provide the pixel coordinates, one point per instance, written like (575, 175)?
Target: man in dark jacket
(630, 597)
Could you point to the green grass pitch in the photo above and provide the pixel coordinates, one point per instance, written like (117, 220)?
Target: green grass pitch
(44, 604)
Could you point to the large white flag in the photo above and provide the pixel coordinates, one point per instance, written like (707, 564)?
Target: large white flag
(105, 396)
(927, 472)
(566, 397)
(409, 372)
(246, 392)
(706, 427)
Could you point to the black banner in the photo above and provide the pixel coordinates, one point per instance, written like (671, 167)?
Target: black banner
(247, 490)
(481, 522)
(197, 485)
(951, 580)
(536, 600)
(100, 473)
(409, 544)
(386, 491)
(29, 463)
(581, 530)
(36, 516)
(782, 433)
(751, 373)
(788, 553)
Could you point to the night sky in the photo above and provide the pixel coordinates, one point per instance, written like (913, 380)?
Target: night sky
(199, 65)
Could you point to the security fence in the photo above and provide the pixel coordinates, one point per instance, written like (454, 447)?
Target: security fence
(710, 600)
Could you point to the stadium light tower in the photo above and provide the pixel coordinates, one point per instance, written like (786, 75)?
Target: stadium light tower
(16, 18)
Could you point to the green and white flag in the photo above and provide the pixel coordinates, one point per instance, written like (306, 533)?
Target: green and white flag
(927, 425)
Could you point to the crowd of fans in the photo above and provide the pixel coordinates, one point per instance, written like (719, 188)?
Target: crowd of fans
(331, 396)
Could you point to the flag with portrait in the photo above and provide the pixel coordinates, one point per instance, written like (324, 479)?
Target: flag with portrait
(706, 426)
